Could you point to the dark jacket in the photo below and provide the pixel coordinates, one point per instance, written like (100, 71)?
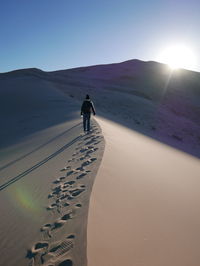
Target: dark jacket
(87, 107)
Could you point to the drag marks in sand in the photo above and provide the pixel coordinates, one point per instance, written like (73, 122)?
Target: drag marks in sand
(65, 202)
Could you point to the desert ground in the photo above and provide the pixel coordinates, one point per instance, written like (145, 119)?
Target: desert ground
(127, 193)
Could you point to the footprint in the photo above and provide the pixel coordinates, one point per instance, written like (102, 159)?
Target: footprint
(70, 198)
(78, 205)
(37, 248)
(62, 248)
(64, 196)
(65, 188)
(90, 151)
(81, 176)
(84, 150)
(70, 237)
(83, 157)
(89, 161)
(66, 204)
(56, 252)
(70, 172)
(90, 147)
(66, 263)
(71, 160)
(50, 196)
(58, 200)
(41, 245)
(58, 180)
(45, 227)
(70, 182)
(76, 192)
(65, 168)
(60, 222)
(79, 169)
(52, 206)
(86, 162)
(57, 190)
(46, 230)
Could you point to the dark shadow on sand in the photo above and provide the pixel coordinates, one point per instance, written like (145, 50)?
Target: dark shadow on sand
(29, 105)
(38, 148)
(34, 167)
(174, 141)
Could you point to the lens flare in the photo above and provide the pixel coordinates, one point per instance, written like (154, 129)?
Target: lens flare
(24, 200)
(178, 56)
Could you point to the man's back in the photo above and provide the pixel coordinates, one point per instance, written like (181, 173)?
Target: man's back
(87, 107)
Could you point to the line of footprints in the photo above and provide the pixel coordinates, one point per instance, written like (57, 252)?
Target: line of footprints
(63, 201)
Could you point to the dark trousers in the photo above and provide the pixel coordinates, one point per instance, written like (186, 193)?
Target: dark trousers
(86, 121)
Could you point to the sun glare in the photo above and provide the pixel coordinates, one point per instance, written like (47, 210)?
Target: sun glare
(178, 56)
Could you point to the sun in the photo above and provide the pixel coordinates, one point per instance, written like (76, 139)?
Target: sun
(178, 56)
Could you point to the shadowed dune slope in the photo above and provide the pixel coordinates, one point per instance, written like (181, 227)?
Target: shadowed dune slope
(47, 169)
(145, 96)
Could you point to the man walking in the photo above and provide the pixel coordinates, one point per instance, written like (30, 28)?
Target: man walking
(86, 109)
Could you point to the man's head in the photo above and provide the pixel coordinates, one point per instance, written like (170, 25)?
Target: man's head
(87, 97)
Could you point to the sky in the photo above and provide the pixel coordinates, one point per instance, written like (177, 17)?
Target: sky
(61, 34)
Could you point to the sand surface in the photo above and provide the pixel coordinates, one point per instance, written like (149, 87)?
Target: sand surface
(145, 203)
(47, 168)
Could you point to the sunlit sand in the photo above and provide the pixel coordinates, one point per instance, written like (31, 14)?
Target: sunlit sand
(145, 203)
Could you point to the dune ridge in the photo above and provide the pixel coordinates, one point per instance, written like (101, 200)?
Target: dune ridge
(145, 96)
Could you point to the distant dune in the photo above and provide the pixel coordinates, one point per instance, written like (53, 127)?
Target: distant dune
(145, 96)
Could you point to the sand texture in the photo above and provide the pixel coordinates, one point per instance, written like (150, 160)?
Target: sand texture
(144, 208)
(47, 171)
(145, 203)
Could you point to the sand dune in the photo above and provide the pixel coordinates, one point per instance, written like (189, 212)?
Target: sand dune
(145, 203)
(144, 96)
(144, 208)
(47, 170)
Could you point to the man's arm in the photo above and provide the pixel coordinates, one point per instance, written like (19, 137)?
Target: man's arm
(82, 109)
(93, 109)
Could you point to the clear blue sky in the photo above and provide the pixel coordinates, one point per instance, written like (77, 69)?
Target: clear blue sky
(61, 34)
